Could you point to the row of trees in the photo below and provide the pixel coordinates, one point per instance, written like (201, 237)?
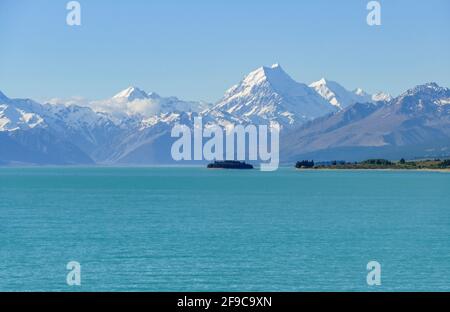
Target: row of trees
(378, 162)
(304, 164)
(371, 163)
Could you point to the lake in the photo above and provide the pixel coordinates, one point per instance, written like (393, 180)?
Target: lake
(193, 229)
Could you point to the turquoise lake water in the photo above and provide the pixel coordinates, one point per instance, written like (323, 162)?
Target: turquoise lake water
(193, 229)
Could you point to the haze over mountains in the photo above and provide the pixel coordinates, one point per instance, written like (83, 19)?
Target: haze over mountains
(321, 121)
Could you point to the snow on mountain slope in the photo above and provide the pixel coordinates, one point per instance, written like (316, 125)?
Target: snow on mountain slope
(415, 124)
(77, 117)
(130, 94)
(133, 127)
(334, 93)
(19, 114)
(340, 97)
(270, 94)
(28, 135)
(96, 133)
(362, 94)
(381, 97)
(133, 101)
(12, 119)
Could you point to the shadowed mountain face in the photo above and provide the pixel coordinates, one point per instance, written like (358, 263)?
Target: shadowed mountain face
(39, 147)
(415, 124)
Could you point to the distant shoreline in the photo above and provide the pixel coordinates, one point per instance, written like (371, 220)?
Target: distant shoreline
(436, 165)
(374, 169)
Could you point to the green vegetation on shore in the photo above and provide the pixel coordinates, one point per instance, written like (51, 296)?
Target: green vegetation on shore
(402, 164)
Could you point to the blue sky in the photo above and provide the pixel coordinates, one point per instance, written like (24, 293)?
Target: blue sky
(197, 49)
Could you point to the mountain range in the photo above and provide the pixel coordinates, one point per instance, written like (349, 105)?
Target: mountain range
(322, 121)
(414, 124)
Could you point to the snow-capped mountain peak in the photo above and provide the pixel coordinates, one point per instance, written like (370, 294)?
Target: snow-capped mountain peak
(364, 97)
(332, 92)
(426, 96)
(131, 94)
(340, 97)
(273, 74)
(19, 114)
(381, 97)
(337, 95)
(270, 94)
(134, 102)
(360, 92)
(427, 88)
(321, 82)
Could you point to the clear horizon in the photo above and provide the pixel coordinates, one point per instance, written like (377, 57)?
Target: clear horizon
(197, 50)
